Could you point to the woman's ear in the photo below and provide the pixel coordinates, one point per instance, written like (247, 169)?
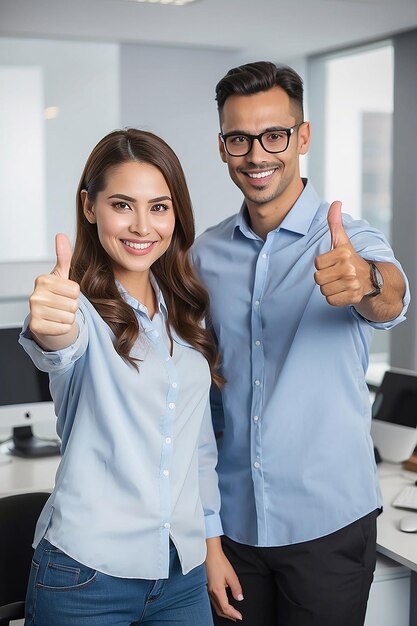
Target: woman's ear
(88, 207)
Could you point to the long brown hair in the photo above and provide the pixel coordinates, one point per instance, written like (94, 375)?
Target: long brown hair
(185, 297)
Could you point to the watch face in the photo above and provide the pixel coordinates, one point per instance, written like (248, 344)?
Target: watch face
(376, 279)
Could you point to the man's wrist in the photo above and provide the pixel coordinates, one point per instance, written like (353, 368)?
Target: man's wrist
(377, 280)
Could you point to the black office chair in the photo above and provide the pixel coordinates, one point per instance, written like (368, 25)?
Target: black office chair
(18, 517)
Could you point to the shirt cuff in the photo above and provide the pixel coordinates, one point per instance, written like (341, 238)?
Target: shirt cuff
(214, 526)
(406, 300)
(48, 361)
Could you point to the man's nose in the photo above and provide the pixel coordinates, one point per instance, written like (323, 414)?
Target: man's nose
(257, 153)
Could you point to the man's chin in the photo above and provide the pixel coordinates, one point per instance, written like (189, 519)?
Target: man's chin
(260, 197)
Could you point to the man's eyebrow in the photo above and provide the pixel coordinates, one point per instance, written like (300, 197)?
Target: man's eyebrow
(266, 130)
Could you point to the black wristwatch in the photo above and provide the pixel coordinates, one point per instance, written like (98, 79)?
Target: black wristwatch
(376, 280)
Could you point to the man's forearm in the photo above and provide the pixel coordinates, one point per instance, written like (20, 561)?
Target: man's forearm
(389, 303)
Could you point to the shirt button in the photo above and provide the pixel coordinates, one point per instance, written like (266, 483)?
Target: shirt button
(168, 439)
(255, 418)
(171, 405)
(174, 385)
(264, 256)
(257, 382)
(166, 472)
(257, 302)
(257, 342)
(167, 358)
(167, 525)
(155, 333)
(257, 465)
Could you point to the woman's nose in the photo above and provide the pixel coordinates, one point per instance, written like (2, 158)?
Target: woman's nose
(141, 225)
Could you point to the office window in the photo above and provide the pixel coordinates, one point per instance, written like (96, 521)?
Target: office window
(358, 147)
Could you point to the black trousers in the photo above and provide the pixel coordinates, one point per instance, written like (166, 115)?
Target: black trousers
(324, 582)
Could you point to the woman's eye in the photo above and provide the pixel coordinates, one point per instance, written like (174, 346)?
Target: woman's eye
(123, 206)
(159, 208)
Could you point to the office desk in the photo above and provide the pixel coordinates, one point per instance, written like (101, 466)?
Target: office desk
(397, 545)
(392, 542)
(22, 475)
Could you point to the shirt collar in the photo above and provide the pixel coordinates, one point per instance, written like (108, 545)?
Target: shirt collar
(298, 219)
(138, 306)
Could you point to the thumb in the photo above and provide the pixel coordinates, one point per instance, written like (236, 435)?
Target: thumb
(338, 235)
(63, 256)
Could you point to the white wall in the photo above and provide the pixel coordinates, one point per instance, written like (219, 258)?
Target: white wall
(23, 206)
(170, 91)
(82, 80)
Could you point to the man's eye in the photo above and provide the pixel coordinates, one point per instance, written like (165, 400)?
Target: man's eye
(238, 139)
(275, 136)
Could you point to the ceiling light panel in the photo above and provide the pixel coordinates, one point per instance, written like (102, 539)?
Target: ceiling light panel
(173, 2)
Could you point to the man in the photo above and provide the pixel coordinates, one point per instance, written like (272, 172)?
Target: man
(296, 291)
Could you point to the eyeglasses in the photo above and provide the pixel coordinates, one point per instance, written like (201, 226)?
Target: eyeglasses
(273, 141)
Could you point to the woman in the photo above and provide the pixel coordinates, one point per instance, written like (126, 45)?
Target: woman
(118, 326)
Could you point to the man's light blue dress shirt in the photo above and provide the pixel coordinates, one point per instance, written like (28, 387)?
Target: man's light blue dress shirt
(296, 459)
(139, 454)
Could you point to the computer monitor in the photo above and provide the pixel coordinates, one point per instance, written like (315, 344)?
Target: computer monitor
(394, 415)
(24, 398)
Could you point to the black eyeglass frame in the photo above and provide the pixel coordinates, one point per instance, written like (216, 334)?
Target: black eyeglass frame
(288, 131)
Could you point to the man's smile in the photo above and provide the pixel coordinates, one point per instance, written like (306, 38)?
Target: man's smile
(262, 174)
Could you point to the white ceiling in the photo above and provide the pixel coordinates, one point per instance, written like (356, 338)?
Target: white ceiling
(270, 29)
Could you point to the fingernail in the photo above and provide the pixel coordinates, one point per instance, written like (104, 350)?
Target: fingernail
(240, 597)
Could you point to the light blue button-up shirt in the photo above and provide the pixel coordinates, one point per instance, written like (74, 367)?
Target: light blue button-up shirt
(139, 454)
(296, 459)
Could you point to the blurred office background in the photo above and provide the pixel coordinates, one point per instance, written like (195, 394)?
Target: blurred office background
(71, 71)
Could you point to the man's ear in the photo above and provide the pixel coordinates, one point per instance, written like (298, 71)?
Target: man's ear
(222, 150)
(304, 138)
(88, 207)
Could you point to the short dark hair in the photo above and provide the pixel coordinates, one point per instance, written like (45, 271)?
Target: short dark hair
(260, 76)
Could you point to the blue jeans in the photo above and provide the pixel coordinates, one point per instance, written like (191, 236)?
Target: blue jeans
(63, 592)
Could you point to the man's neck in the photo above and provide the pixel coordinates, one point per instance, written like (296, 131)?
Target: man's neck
(264, 218)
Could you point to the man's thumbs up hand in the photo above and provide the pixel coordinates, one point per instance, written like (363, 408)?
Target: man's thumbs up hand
(343, 276)
(54, 302)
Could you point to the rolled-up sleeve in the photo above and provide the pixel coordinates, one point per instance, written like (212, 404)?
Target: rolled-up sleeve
(371, 245)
